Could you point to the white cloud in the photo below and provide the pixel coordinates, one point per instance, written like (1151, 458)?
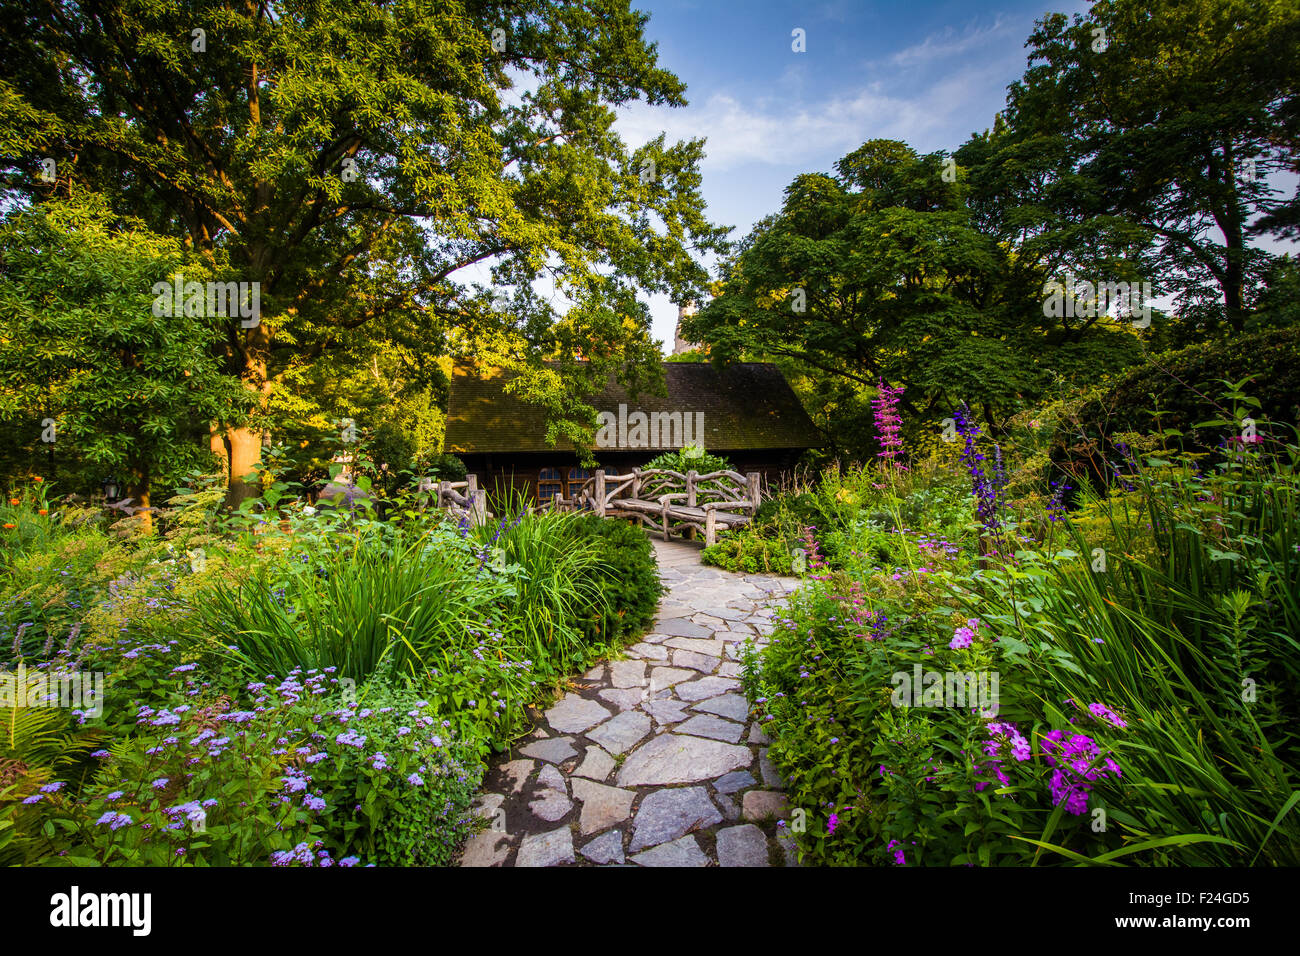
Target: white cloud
(789, 133)
(950, 43)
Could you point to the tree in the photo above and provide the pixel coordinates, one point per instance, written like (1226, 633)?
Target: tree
(1171, 114)
(115, 385)
(354, 157)
(881, 272)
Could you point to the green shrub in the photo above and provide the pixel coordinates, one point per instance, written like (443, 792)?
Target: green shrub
(690, 458)
(1179, 391)
(626, 573)
(750, 552)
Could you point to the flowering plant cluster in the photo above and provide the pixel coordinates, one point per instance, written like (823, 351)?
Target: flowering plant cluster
(986, 488)
(884, 408)
(293, 774)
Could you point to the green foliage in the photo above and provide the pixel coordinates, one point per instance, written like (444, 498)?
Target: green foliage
(749, 554)
(556, 584)
(306, 778)
(388, 147)
(885, 270)
(1183, 637)
(1095, 137)
(130, 393)
(690, 458)
(1177, 392)
(627, 574)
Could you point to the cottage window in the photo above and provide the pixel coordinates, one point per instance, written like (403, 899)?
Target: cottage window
(576, 477)
(548, 485)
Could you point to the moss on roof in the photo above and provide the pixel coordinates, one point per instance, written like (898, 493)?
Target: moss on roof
(746, 405)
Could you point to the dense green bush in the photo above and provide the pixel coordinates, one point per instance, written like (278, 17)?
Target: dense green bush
(751, 553)
(1180, 391)
(690, 458)
(626, 573)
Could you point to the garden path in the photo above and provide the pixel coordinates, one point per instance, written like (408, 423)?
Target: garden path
(654, 759)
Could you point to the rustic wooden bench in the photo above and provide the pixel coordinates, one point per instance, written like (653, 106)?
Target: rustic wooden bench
(671, 502)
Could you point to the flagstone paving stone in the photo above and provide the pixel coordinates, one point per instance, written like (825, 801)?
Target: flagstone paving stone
(731, 706)
(574, 714)
(665, 815)
(683, 852)
(651, 760)
(715, 728)
(745, 845)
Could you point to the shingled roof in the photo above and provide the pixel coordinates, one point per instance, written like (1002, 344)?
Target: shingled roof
(746, 405)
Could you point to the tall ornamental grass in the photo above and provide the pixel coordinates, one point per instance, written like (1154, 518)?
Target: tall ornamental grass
(363, 606)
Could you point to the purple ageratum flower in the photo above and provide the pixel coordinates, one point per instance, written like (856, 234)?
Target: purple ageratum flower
(53, 787)
(313, 802)
(160, 783)
(34, 798)
(349, 861)
(415, 780)
(351, 739)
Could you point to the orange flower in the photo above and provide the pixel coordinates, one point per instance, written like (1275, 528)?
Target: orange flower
(14, 501)
(38, 479)
(43, 511)
(10, 525)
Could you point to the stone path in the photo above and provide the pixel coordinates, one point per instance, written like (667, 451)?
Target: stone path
(652, 760)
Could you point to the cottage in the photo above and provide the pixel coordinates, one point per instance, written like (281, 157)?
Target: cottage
(745, 412)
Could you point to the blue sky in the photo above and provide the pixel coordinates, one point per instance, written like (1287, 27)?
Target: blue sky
(928, 73)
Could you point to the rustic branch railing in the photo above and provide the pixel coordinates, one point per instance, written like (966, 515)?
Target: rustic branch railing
(473, 500)
(673, 502)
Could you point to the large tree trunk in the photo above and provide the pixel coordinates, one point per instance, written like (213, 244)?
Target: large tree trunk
(245, 455)
(138, 491)
(240, 446)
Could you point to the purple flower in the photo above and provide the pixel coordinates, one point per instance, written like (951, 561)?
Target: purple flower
(985, 489)
(962, 638)
(884, 408)
(351, 739)
(899, 858)
(832, 822)
(1106, 715)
